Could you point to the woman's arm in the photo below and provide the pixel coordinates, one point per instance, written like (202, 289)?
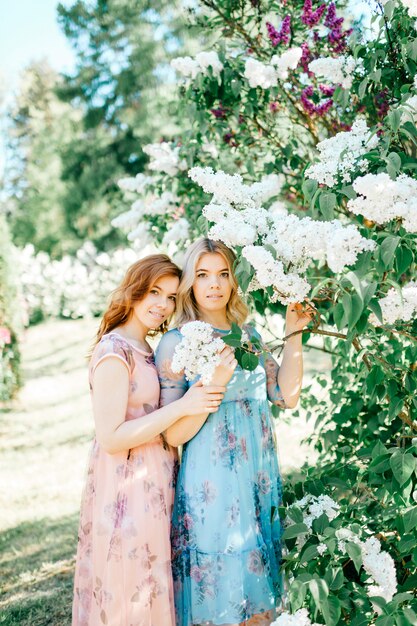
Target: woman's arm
(187, 427)
(110, 399)
(290, 374)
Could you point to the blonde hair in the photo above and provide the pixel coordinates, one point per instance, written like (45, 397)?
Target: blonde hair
(187, 308)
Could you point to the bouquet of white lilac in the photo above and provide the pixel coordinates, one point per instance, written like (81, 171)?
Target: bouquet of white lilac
(198, 353)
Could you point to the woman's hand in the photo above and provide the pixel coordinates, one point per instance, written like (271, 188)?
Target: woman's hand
(201, 399)
(298, 316)
(225, 369)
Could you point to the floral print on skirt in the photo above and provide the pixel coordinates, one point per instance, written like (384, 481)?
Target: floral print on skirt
(226, 532)
(123, 569)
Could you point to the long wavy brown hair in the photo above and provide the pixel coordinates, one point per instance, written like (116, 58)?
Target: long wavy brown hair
(137, 282)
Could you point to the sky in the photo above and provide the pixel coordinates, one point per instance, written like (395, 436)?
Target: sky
(28, 30)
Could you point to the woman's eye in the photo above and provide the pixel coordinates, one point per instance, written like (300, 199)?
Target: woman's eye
(200, 275)
(154, 291)
(225, 274)
(173, 298)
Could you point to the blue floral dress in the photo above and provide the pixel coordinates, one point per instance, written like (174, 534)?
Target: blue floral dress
(226, 532)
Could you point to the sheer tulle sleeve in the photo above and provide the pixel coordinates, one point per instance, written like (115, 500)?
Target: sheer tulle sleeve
(173, 386)
(271, 369)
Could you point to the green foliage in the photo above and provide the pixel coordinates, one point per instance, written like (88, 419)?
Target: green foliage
(10, 321)
(366, 424)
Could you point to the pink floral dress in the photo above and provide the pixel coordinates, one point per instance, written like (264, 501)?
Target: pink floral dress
(123, 568)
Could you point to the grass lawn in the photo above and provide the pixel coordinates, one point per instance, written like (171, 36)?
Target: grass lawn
(44, 441)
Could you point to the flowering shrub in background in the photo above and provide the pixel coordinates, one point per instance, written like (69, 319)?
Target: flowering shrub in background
(300, 153)
(73, 287)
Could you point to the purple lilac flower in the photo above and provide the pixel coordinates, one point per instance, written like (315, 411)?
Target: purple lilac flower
(273, 107)
(219, 113)
(336, 36)
(305, 58)
(381, 103)
(309, 106)
(283, 34)
(327, 90)
(310, 17)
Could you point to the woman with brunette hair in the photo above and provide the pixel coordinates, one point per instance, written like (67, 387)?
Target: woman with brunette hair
(226, 532)
(123, 569)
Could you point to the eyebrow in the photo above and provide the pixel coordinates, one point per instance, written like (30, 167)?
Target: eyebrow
(174, 293)
(201, 269)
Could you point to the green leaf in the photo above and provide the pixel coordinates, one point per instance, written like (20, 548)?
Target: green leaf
(249, 361)
(327, 202)
(331, 609)
(362, 88)
(294, 530)
(387, 250)
(394, 119)
(309, 553)
(232, 340)
(309, 188)
(356, 309)
(403, 258)
(236, 330)
(355, 554)
(393, 161)
(334, 578)
(376, 308)
(402, 465)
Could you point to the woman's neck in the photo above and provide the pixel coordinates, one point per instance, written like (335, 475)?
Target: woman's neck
(134, 331)
(218, 319)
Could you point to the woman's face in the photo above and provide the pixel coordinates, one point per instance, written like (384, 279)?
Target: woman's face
(158, 304)
(212, 287)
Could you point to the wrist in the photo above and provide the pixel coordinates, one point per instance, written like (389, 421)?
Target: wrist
(290, 331)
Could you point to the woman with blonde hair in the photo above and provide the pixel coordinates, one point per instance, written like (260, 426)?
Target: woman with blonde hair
(226, 532)
(123, 569)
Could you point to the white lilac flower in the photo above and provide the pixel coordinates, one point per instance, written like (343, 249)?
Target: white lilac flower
(226, 188)
(72, 287)
(340, 155)
(266, 188)
(382, 199)
(339, 70)
(299, 618)
(141, 234)
(288, 60)
(209, 59)
(233, 231)
(190, 68)
(321, 548)
(137, 183)
(197, 354)
(343, 244)
(380, 566)
(164, 158)
(343, 535)
(230, 189)
(288, 287)
(178, 231)
(398, 305)
(259, 74)
(411, 6)
(149, 205)
(186, 66)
